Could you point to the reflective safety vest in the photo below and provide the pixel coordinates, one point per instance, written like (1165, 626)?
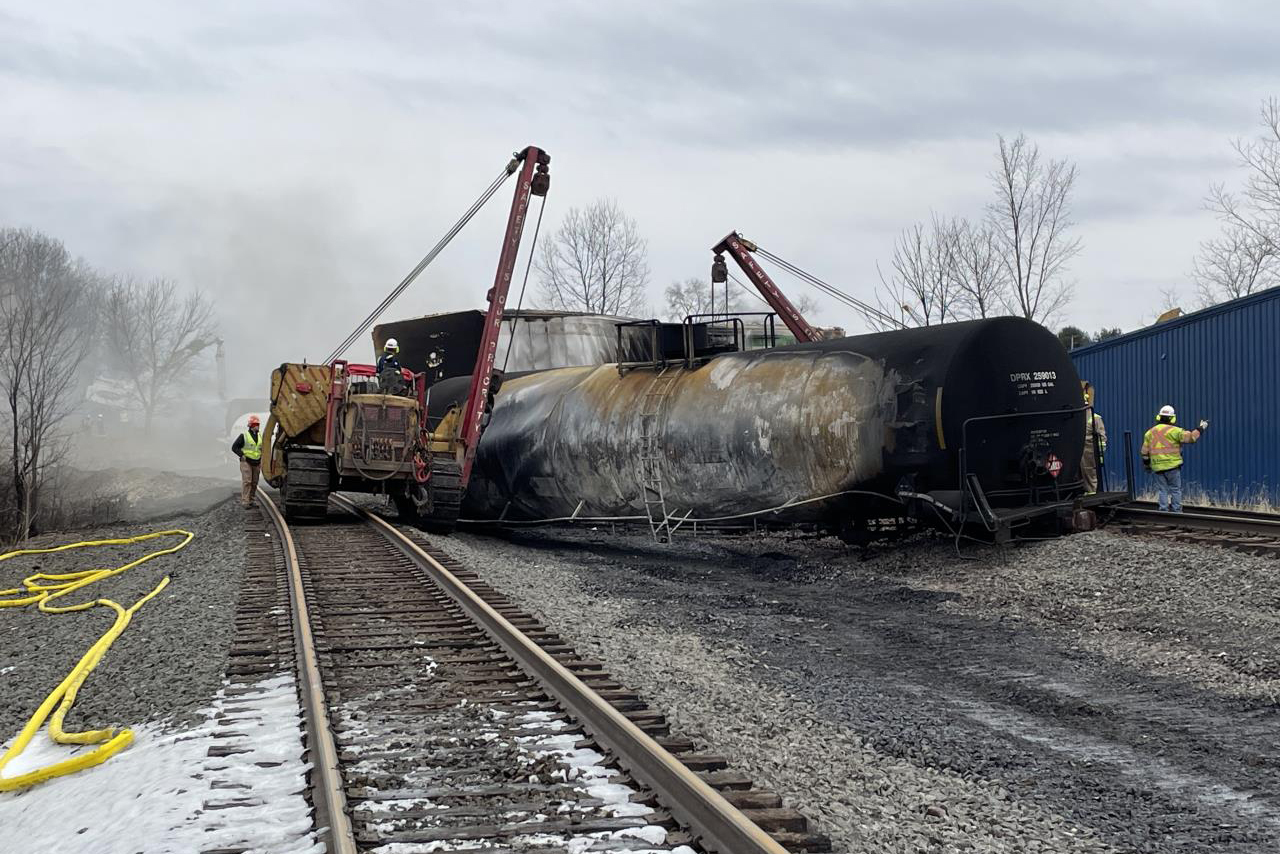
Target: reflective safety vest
(1163, 444)
(252, 449)
(1094, 425)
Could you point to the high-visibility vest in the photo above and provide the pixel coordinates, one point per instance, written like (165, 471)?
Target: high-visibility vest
(1163, 444)
(252, 449)
(1093, 424)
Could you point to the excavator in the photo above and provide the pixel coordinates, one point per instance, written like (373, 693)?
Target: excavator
(338, 426)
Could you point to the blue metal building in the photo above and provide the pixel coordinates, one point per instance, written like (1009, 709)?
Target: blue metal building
(1223, 364)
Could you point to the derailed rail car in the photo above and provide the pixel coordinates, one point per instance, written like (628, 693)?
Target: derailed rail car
(977, 422)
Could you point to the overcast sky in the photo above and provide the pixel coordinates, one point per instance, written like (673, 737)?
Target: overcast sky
(294, 160)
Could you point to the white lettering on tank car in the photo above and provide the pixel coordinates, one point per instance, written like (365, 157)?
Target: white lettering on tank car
(1032, 383)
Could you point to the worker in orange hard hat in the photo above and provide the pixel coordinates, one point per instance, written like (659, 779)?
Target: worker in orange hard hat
(248, 447)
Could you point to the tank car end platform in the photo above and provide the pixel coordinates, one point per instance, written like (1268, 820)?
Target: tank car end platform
(1001, 523)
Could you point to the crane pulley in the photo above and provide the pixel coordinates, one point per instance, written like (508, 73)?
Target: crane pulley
(742, 250)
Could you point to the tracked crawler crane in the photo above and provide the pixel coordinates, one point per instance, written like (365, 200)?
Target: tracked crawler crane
(341, 427)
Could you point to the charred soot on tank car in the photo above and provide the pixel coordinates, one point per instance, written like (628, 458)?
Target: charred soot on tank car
(977, 422)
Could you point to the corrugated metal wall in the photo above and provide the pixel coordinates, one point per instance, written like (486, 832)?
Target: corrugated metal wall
(1223, 364)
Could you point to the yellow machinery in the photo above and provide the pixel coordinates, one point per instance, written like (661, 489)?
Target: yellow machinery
(342, 426)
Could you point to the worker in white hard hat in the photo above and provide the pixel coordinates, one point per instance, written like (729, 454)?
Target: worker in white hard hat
(1162, 455)
(390, 355)
(389, 376)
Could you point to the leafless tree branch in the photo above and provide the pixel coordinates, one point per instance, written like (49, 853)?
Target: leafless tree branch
(1030, 219)
(981, 279)
(921, 286)
(45, 339)
(1245, 258)
(597, 262)
(154, 333)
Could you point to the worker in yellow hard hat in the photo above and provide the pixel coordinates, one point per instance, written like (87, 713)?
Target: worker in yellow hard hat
(1095, 441)
(248, 447)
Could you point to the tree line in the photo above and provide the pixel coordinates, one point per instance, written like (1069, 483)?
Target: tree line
(64, 324)
(1013, 259)
(597, 262)
(1245, 257)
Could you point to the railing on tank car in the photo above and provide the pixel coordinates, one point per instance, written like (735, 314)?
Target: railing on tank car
(1032, 494)
(694, 343)
(737, 327)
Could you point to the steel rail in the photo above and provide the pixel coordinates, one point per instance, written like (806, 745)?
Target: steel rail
(716, 824)
(328, 796)
(1204, 518)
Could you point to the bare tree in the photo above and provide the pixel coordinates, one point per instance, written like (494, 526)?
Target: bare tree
(42, 318)
(597, 262)
(921, 284)
(1238, 263)
(980, 276)
(694, 296)
(154, 334)
(1031, 220)
(1169, 301)
(1256, 209)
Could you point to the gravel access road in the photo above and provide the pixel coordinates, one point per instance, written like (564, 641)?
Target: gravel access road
(1095, 693)
(169, 661)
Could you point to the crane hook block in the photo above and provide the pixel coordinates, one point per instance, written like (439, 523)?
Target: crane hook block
(719, 270)
(541, 181)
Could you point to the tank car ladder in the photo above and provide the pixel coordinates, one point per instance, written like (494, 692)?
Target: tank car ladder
(655, 503)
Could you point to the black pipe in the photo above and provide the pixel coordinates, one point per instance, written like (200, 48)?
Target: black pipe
(1128, 464)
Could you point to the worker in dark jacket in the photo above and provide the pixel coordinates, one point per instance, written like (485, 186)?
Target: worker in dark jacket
(389, 377)
(248, 447)
(390, 357)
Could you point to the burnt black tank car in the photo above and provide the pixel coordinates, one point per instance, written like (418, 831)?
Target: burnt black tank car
(977, 423)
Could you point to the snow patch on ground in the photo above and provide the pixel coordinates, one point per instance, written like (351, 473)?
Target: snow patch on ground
(585, 769)
(166, 794)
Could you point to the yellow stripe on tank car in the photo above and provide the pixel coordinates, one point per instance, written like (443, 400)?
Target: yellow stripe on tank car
(937, 418)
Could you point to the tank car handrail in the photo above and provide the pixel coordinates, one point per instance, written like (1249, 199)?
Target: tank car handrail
(654, 324)
(969, 481)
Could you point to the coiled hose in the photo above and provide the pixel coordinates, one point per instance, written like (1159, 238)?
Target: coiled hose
(41, 590)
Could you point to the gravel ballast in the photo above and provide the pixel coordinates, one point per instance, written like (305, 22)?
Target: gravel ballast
(1096, 693)
(169, 661)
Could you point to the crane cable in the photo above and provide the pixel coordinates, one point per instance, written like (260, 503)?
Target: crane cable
(533, 245)
(868, 311)
(41, 589)
(749, 292)
(408, 280)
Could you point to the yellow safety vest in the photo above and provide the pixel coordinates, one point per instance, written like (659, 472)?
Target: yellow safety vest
(1163, 444)
(252, 449)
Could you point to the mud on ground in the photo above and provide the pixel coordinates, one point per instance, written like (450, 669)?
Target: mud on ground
(1097, 693)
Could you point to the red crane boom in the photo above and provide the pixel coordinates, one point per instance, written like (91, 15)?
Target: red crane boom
(535, 179)
(740, 249)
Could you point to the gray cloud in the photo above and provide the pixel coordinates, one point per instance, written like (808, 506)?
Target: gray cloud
(31, 51)
(206, 142)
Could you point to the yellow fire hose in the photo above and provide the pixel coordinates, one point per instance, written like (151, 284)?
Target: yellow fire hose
(42, 589)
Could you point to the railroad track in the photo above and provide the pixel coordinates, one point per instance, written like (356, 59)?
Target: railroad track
(1242, 530)
(439, 715)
